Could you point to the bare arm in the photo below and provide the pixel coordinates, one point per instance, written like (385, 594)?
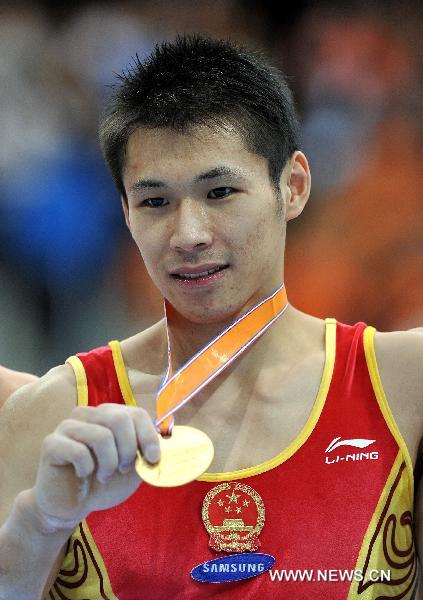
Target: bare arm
(28, 547)
(27, 417)
(58, 463)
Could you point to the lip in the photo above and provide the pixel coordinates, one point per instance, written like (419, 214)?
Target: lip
(200, 282)
(190, 270)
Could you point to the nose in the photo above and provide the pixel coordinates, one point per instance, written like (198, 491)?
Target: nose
(191, 227)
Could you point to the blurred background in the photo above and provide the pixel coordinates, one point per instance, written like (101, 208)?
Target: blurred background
(70, 277)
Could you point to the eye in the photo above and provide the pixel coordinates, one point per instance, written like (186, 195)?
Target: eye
(154, 202)
(220, 192)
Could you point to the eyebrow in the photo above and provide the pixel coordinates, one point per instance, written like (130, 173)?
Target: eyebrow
(147, 183)
(220, 172)
(214, 173)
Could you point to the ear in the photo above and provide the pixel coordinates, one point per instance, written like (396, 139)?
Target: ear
(296, 180)
(124, 203)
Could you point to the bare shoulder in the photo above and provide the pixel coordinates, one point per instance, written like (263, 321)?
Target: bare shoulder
(11, 380)
(145, 358)
(400, 360)
(27, 417)
(53, 394)
(146, 352)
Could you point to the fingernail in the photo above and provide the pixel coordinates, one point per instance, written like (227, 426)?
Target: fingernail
(126, 467)
(152, 453)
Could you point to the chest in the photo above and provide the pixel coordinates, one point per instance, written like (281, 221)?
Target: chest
(249, 420)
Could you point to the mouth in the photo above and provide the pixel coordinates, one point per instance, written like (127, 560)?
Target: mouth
(201, 277)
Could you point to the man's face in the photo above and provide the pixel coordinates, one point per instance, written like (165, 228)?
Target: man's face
(206, 218)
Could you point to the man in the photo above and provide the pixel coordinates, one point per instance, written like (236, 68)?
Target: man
(310, 470)
(11, 380)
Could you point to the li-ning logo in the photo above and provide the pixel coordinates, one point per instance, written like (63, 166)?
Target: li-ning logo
(355, 456)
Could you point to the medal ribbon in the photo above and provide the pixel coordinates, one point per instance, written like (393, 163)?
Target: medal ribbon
(179, 388)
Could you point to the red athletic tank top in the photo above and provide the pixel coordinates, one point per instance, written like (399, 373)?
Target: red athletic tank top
(334, 508)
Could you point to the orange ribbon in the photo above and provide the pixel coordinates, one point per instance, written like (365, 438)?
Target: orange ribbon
(179, 388)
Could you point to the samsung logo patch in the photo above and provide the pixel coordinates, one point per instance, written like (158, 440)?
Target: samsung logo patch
(233, 567)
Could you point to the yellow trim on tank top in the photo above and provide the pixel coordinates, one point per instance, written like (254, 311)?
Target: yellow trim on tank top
(376, 558)
(124, 385)
(369, 350)
(330, 352)
(81, 380)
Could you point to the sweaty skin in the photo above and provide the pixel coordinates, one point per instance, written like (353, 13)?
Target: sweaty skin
(194, 201)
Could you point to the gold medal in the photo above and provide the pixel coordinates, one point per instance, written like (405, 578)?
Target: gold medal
(185, 455)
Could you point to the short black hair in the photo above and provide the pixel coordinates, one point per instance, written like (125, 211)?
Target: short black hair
(196, 80)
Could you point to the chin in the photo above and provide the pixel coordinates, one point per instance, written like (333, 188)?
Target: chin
(207, 315)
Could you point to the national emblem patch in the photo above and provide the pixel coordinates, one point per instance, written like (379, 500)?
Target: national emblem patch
(233, 515)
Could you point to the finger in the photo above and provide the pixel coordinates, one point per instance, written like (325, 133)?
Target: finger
(59, 450)
(147, 436)
(99, 439)
(119, 421)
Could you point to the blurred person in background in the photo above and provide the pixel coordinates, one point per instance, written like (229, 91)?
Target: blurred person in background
(311, 463)
(59, 224)
(361, 90)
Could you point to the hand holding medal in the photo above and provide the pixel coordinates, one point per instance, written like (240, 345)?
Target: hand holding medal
(187, 452)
